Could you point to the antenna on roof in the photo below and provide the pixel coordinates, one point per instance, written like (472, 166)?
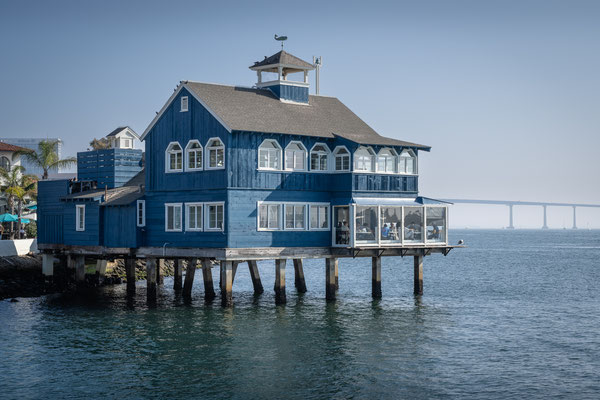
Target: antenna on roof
(318, 63)
(281, 39)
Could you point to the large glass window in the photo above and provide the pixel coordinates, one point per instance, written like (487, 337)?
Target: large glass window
(386, 161)
(342, 159)
(174, 158)
(269, 155)
(295, 157)
(216, 154)
(173, 217)
(391, 224)
(319, 156)
(407, 162)
(341, 222)
(366, 224)
(364, 160)
(319, 217)
(295, 216)
(413, 224)
(215, 216)
(194, 217)
(268, 216)
(194, 155)
(436, 224)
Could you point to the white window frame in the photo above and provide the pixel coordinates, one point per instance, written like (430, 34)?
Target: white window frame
(279, 215)
(373, 156)
(185, 104)
(280, 167)
(79, 222)
(140, 222)
(393, 155)
(293, 204)
(336, 155)
(168, 152)
(167, 205)
(416, 162)
(206, 206)
(188, 149)
(294, 142)
(320, 153)
(200, 226)
(310, 205)
(216, 148)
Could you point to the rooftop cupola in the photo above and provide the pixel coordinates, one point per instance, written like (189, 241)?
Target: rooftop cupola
(283, 64)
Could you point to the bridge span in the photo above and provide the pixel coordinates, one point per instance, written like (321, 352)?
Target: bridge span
(512, 203)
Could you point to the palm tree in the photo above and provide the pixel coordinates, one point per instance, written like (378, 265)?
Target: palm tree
(47, 157)
(18, 187)
(100, 144)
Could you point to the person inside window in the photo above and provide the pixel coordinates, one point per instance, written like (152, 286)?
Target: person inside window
(385, 231)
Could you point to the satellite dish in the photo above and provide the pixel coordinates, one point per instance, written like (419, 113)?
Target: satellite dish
(281, 39)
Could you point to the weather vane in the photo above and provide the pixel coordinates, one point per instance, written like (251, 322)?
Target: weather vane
(281, 39)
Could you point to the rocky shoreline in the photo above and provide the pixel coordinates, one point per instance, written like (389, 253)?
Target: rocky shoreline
(21, 276)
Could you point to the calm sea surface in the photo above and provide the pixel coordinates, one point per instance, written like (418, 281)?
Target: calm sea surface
(515, 315)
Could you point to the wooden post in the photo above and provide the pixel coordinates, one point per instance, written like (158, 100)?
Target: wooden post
(330, 278)
(100, 270)
(151, 279)
(253, 267)
(130, 274)
(79, 265)
(177, 274)
(335, 268)
(190, 271)
(280, 281)
(418, 275)
(209, 290)
(234, 269)
(47, 265)
(376, 277)
(160, 279)
(299, 281)
(227, 283)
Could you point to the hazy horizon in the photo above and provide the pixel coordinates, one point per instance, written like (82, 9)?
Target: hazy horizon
(506, 92)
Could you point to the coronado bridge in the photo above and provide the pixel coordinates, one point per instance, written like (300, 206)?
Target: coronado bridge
(511, 204)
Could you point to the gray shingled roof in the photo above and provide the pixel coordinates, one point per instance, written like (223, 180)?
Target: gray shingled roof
(120, 196)
(283, 57)
(121, 128)
(259, 110)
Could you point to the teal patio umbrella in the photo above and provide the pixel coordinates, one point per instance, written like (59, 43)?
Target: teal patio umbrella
(8, 218)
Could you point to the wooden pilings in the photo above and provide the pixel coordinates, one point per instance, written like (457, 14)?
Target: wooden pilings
(78, 263)
(101, 270)
(330, 267)
(190, 271)
(47, 265)
(299, 281)
(280, 297)
(209, 291)
(160, 279)
(253, 267)
(151, 286)
(177, 274)
(130, 274)
(418, 275)
(226, 283)
(376, 277)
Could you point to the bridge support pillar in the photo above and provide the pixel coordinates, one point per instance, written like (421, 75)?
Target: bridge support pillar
(510, 217)
(545, 226)
(574, 217)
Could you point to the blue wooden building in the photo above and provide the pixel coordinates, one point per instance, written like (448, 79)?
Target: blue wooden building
(245, 173)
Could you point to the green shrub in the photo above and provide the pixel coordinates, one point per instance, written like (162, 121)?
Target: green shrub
(31, 229)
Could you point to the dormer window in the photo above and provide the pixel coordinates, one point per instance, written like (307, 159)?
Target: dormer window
(364, 160)
(269, 155)
(319, 157)
(295, 157)
(193, 154)
(216, 154)
(342, 159)
(174, 157)
(386, 161)
(407, 162)
(184, 103)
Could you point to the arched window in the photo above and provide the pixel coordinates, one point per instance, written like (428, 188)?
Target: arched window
(407, 162)
(295, 157)
(5, 163)
(319, 157)
(269, 155)
(193, 156)
(216, 154)
(386, 161)
(342, 158)
(364, 159)
(174, 157)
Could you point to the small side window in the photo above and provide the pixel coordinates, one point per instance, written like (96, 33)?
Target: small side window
(141, 213)
(184, 103)
(80, 218)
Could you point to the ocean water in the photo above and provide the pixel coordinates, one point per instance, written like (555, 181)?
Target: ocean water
(515, 315)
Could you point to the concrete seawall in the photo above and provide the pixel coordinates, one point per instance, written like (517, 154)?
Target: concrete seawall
(17, 247)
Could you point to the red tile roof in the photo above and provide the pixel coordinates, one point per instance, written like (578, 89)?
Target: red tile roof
(10, 147)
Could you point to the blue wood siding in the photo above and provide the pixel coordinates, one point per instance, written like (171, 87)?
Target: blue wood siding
(50, 211)
(289, 92)
(91, 235)
(177, 126)
(120, 227)
(110, 167)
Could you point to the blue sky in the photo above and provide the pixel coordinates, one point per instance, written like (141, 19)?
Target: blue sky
(506, 92)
